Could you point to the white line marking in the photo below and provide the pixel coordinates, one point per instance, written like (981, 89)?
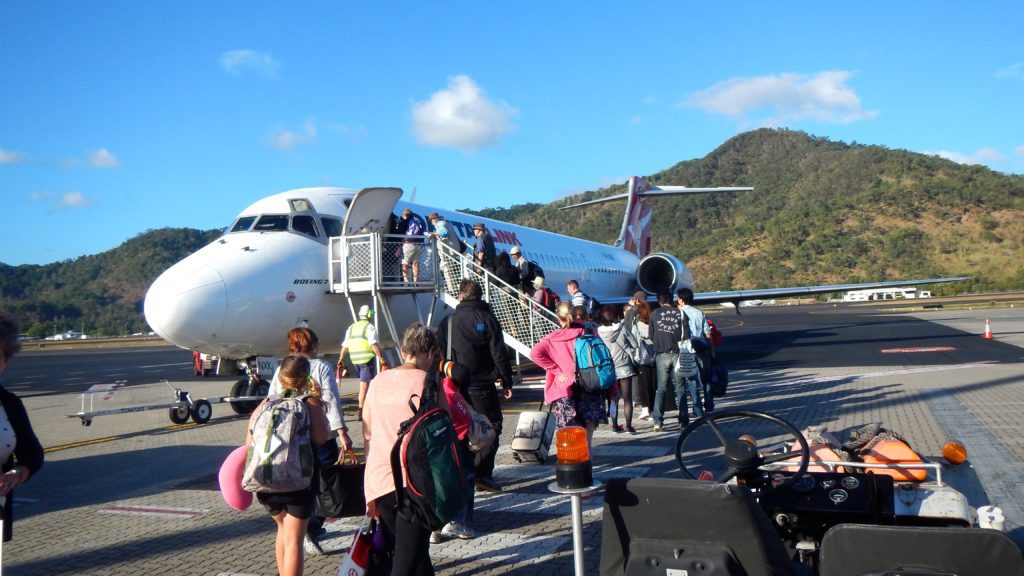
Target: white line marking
(165, 365)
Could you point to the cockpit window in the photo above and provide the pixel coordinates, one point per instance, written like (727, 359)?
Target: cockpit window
(271, 223)
(332, 227)
(300, 205)
(305, 224)
(243, 224)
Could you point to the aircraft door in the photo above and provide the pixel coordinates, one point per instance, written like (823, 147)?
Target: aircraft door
(370, 209)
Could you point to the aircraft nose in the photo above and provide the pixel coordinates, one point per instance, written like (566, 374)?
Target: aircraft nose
(187, 306)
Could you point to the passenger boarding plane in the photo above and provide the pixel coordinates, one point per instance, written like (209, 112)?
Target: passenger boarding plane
(238, 296)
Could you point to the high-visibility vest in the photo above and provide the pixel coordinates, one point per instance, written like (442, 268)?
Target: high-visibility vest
(359, 349)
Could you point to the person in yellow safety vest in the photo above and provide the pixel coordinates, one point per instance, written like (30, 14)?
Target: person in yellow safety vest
(361, 345)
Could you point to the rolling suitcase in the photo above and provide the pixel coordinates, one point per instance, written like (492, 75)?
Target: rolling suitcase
(532, 439)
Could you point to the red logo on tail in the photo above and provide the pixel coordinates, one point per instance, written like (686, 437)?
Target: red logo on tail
(636, 231)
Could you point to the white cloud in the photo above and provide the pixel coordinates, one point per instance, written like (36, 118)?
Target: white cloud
(824, 97)
(238, 61)
(102, 158)
(73, 199)
(8, 157)
(637, 120)
(288, 139)
(461, 117)
(40, 195)
(1019, 151)
(982, 156)
(1011, 71)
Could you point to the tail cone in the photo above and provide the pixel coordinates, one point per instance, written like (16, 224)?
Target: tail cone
(988, 330)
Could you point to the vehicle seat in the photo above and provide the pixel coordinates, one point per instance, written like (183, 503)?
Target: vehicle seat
(859, 549)
(656, 525)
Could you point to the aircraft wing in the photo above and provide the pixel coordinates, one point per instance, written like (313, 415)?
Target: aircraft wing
(737, 296)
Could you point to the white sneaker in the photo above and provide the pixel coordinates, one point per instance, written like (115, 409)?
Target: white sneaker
(645, 414)
(456, 530)
(436, 537)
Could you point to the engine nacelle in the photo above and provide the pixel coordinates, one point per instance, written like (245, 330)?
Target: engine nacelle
(660, 272)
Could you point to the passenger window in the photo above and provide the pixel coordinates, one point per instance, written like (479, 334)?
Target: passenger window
(305, 224)
(243, 224)
(271, 223)
(332, 227)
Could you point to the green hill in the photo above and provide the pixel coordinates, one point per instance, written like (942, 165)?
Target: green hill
(100, 294)
(821, 212)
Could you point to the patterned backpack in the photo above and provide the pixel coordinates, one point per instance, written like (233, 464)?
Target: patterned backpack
(280, 458)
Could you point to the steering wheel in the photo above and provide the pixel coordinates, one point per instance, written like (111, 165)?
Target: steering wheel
(741, 454)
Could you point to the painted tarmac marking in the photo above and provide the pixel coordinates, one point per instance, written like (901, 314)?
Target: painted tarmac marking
(881, 374)
(921, 349)
(165, 365)
(164, 512)
(79, 444)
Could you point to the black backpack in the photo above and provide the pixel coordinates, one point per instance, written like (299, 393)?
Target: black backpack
(535, 270)
(591, 305)
(429, 484)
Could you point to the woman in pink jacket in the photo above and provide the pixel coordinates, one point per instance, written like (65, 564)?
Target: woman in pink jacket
(556, 353)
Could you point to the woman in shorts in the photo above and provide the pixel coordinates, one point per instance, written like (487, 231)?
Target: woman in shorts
(292, 510)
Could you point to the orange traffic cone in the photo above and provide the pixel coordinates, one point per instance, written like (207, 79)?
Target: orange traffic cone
(988, 330)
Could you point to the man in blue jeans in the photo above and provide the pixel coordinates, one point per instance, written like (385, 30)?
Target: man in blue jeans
(666, 330)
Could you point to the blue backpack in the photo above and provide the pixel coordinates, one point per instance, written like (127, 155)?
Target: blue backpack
(595, 369)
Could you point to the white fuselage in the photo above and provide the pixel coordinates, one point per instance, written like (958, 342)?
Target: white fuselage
(238, 296)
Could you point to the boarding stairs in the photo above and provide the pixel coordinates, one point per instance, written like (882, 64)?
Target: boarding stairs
(370, 265)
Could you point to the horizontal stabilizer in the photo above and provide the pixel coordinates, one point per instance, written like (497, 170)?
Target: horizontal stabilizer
(661, 191)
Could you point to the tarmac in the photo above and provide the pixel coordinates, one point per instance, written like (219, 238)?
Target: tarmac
(134, 494)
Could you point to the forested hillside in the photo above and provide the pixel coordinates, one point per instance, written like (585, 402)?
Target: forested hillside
(821, 212)
(100, 294)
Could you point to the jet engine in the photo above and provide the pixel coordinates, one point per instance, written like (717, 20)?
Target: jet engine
(660, 272)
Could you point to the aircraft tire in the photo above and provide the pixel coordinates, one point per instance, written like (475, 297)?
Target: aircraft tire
(179, 415)
(239, 389)
(202, 411)
(260, 388)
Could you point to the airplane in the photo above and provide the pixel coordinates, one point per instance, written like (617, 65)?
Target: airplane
(237, 297)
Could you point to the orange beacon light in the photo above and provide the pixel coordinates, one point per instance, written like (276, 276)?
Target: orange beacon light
(573, 469)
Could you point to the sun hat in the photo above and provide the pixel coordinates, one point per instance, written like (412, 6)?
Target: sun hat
(515, 250)
(538, 282)
(479, 226)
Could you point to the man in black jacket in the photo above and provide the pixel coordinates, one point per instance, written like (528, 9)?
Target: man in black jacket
(477, 344)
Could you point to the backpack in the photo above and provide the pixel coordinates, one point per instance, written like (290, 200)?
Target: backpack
(595, 369)
(716, 334)
(591, 305)
(534, 271)
(280, 458)
(550, 299)
(429, 484)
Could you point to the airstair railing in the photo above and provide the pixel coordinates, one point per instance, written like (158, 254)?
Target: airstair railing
(371, 263)
(523, 321)
(361, 263)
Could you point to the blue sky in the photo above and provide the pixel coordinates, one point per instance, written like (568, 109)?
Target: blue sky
(120, 117)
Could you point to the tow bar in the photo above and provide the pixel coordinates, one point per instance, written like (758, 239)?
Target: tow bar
(179, 411)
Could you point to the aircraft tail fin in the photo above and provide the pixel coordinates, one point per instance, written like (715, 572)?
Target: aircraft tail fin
(635, 234)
